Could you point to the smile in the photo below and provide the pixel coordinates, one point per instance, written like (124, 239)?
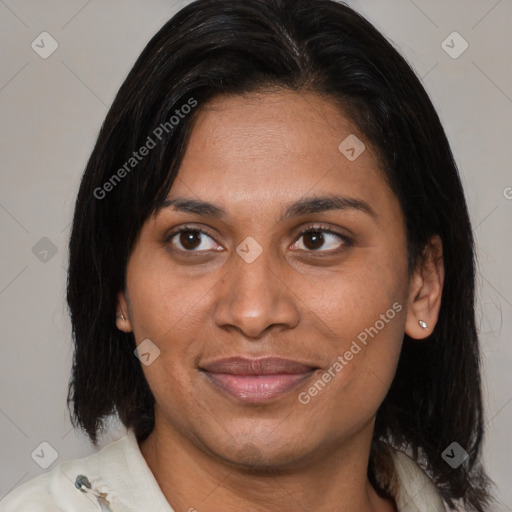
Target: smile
(257, 380)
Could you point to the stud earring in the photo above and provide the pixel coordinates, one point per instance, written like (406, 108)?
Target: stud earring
(122, 317)
(422, 324)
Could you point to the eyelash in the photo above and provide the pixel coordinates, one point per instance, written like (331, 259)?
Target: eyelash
(347, 241)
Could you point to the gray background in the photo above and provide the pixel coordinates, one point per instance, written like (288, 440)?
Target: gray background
(51, 110)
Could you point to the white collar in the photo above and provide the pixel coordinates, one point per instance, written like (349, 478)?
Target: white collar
(120, 469)
(411, 487)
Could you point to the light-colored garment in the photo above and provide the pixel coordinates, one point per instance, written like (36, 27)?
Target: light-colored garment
(120, 472)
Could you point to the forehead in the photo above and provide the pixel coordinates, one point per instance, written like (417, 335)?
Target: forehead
(284, 123)
(266, 148)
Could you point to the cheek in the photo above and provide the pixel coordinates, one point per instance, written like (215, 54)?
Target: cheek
(361, 367)
(360, 312)
(163, 301)
(356, 296)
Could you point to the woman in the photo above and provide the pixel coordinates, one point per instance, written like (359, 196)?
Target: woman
(271, 279)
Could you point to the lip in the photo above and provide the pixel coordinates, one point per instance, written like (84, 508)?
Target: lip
(257, 380)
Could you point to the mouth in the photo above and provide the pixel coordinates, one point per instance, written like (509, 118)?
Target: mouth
(256, 380)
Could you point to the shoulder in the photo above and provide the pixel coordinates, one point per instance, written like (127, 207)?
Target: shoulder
(414, 490)
(405, 480)
(55, 490)
(34, 494)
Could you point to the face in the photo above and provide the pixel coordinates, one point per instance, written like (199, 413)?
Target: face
(267, 272)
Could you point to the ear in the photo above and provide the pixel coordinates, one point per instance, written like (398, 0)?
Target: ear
(122, 309)
(425, 291)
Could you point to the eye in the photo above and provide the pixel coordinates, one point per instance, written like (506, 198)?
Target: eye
(317, 237)
(191, 240)
(195, 240)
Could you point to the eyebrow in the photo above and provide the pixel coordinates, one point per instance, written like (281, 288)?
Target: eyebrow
(304, 206)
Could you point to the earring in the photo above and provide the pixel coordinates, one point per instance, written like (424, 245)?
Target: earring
(122, 317)
(422, 324)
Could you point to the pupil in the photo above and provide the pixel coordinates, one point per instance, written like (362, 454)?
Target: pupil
(317, 238)
(187, 239)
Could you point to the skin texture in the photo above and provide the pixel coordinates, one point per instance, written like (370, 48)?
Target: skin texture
(253, 156)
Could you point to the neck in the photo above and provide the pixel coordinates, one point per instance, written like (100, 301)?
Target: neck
(194, 479)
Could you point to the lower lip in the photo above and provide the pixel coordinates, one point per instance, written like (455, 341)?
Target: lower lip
(257, 388)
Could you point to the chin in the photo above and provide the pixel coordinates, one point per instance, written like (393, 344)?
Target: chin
(263, 456)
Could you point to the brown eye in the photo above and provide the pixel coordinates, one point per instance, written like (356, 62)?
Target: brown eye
(313, 239)
(317, 238)
(191, 240)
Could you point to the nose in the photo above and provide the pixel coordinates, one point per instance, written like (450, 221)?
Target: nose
(255, 297)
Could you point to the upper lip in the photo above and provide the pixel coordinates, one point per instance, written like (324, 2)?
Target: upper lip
(260, 366)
